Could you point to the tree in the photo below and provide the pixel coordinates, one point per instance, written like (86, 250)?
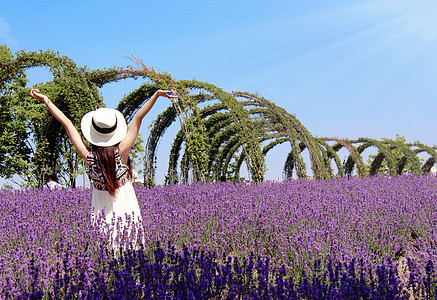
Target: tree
(15, 149)
(40, 145)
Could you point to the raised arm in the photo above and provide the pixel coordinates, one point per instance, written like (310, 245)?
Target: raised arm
(59, 115)
(134, 127)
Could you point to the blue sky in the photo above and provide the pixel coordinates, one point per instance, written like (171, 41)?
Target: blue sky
(344, 68)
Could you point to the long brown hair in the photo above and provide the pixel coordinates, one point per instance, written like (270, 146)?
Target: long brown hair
(105, 156)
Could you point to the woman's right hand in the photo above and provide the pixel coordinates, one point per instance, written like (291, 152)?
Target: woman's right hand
(36, 94)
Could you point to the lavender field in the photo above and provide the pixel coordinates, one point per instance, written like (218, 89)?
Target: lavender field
(45, 236)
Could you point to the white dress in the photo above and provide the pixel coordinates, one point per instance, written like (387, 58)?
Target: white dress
(123, 205)
(120, 210)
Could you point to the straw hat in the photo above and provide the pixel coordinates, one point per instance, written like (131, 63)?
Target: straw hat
(104, 127)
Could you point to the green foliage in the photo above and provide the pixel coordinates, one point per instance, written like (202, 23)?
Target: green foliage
(14, 148)
(404, 158)
(219, 130)
(7, 186)
(137, 153)
(41, 144)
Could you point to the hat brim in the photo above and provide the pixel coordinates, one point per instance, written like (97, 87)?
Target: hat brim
(100, 139)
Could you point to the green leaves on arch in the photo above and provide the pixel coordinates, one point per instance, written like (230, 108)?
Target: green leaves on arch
(71, 89)
(219, 130)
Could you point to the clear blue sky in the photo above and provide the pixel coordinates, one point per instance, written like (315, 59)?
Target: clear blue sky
(344, 68)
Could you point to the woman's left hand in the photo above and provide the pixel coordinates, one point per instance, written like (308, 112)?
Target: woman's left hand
(35, 94)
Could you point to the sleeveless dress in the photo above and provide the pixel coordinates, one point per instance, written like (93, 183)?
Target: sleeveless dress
(123, 204)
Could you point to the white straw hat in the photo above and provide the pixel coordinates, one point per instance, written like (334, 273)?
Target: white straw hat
(104, 127)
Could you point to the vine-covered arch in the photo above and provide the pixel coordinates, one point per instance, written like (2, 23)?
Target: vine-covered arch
(70, 90)
(398, 156)
(221, 123)
(218, 130)
(221, 131)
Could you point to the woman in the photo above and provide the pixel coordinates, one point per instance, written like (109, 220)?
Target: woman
(108, 158)
(52, 184)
